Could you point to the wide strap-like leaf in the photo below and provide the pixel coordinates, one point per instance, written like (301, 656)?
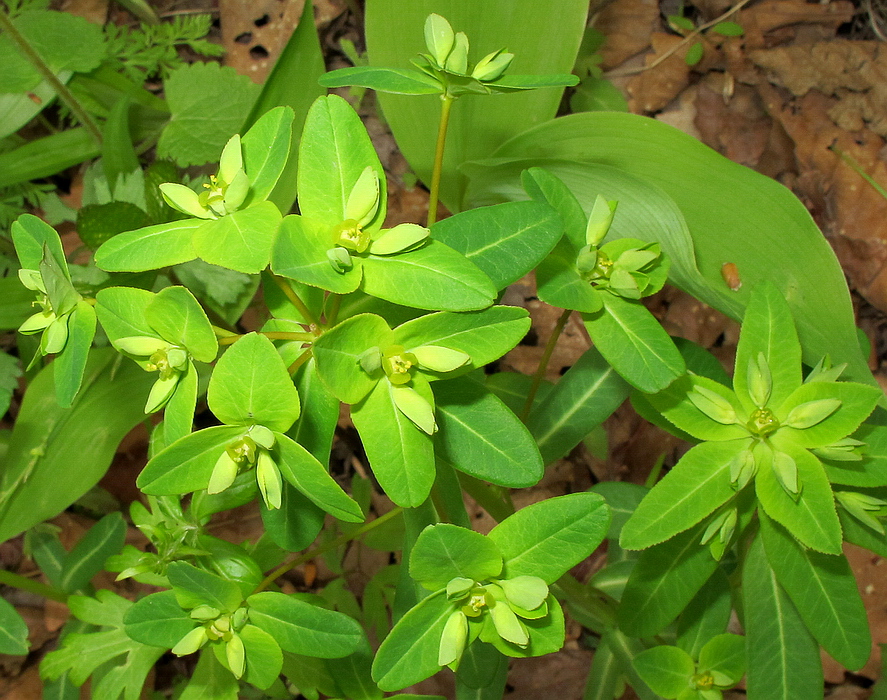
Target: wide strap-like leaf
(548, 538)
(824, 592)
(664, 580)
(697, 485)
(88, 556)
(783, 658)
(266, 147)
(241, 241)
(584, 397)
(149, 248)
(303, 471)
(506, 241)
(479, 435)
(393, 80)
(251, 386)
(178, 414)
(632, 340)
(400, 454)
(432, 277)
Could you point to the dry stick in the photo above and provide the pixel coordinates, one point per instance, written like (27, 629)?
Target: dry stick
(60, 88)
(690, 37)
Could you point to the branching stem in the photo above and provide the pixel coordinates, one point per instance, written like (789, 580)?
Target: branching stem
(446, 104)
(295, 300)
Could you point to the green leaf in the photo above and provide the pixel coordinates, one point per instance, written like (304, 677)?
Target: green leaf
(724, 653)
(782, 656)
(667, 670)
(149, 248)
(409, 652)
(315, 427)
(177, 317)
(622, 498)
(193, 587)
(78, 442)
(857, 403)
(824, 592)
(401, 455)
(584, 397)
(13, 631)
(663, 582)
(266, 148)
(210, 680)
(334, 151)
(767, 227)
(483, 335)
(559, 283)
(302, 628)
(431, 277)
(69, 367)
(30, 234)
(542, 186)
(186, 464)
(728, 29)
(301, 254)
(17, 109)
(47, 156)
(219, 289)
(251, 386)
(506, 241)
(178, 414)
(338, 352)
(548, 538)
(158, 620)
(706, 615)
(634, 343)
(675, 405)
(697, 485)
(264, 659)
(97, 223)
(480, 436)
(118, 155)
(392, 80)
(811, 517)
(241, 241)
(63, 41)
(303, 471)
(444, 552)
(208, 103)
(296, 523)
(88, 556)
(540, 44)
(546, 634)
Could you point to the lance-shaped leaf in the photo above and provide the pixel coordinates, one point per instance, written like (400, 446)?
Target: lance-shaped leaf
(479, 435)
(697, 485)
(584, 397)
(303, 471)
(409, 653)
(768, 329)
(334, 151)
(431, 277)
(266, 147)
(545, 187)
(401, 455)
(824, 592)
(251, 386)
(176, 316)
(663, 582)
(393, 80)
(240, 241)
(444, 552)
(548, 538)
(13, 631)
(811, 517)
(149, 248)
(706, 615)
(187, 464)
(70, 366)
(631, 340)
(88, 556)
(338, 351)
(783, 658)
(483, 335)
(506, 241)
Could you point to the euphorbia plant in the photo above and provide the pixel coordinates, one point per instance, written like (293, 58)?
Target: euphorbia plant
(400, 325)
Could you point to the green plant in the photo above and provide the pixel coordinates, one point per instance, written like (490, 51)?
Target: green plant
(399, 323)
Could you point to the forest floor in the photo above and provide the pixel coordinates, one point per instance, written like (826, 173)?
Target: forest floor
(804, 82)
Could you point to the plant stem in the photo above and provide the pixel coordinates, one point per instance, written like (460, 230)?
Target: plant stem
(496, 501)
(849, 160)
(322, 549)
(299, 361)
(446, 104)
(333, 315)
(295, 300)
(543, 362)
(273, 335)
(25, 584)
(60, 88)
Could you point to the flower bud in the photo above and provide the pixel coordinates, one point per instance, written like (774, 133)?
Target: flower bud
(712, 404)
(599, 222)
(452, 641)
(363, 200)
(185, 200)
(439, 359)
(439, 38)
(457, 61)
(399, 239)
(492, 66)
(808, 414)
